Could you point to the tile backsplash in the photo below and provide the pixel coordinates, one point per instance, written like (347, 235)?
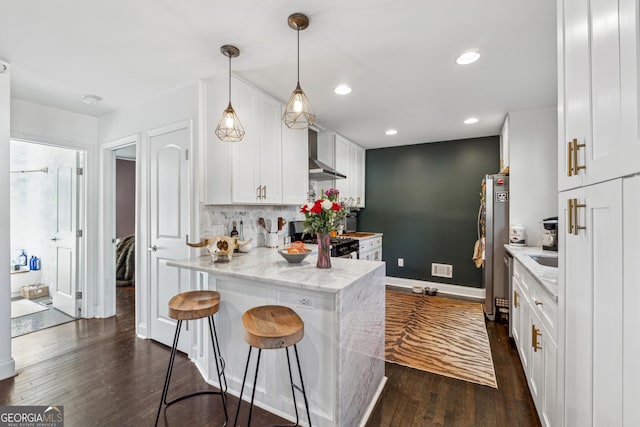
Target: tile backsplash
(218, 220)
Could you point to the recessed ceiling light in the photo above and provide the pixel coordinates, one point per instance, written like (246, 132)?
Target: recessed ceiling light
(468, 57)
(471, 120)
(91, 99)
(343, 89)
(391, 132)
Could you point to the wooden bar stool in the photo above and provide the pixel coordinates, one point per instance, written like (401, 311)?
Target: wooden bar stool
(190, 306)
(272, 327)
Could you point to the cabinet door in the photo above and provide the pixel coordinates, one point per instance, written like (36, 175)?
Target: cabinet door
(517, 299)
(270, 159)
(549, 410)
(295, 166)
(593, 301)
(535, 375)
(600, 96)
(343, 166)
(631, 273)
(217, 168)
(575, 78)
(246, 153)
(360, 174)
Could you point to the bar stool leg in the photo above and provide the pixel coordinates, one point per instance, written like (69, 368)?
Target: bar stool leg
(222, 362)
(293, 387)
(246, 369)
(167, 378)
(216, 355)
(304, 394)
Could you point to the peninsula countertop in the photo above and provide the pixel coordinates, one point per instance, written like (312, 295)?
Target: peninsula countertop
(266, 265)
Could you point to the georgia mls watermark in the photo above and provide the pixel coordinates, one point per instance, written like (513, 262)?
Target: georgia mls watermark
(31, 416)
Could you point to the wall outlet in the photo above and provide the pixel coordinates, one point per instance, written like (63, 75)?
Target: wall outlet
(400, 262)
(442, 270)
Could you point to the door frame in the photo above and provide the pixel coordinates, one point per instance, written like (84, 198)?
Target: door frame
(106, 292)
(81, 283)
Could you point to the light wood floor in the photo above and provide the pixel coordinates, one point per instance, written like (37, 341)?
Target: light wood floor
(105, 376)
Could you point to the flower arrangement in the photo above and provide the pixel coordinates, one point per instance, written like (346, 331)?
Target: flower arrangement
(324, 214)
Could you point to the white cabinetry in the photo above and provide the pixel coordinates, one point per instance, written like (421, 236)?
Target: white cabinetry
(598, 91)
(593, 290)
(269, 166)
(534, 330)
(295, 169)
(370, 248)
(348, 159)
(598, 235)
(257, 159)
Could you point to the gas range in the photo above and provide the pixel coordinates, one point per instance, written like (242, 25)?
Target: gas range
(341, 247)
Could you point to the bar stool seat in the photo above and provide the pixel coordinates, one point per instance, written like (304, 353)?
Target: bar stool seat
(271, 327)
(194, 305)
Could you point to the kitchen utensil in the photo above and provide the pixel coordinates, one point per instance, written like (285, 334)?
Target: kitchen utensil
(263, 224)
(281, 223)
(272, 240)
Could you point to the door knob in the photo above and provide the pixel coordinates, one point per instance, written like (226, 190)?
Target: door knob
(152, 248)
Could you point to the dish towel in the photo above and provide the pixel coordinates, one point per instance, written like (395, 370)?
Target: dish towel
(478, 253)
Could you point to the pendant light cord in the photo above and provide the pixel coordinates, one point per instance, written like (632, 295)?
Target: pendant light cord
(298, 31)
(229, 79)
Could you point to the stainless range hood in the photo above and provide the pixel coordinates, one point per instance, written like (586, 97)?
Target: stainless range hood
(318, 170)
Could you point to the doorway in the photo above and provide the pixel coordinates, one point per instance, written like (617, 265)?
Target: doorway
(124, 210)
(47, 216)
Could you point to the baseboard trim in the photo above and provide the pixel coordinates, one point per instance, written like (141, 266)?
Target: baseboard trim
(374, 401)
(7, 369)
(443, 288)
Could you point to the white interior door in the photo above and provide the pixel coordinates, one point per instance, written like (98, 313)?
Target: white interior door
(169, 225)
(65, 240)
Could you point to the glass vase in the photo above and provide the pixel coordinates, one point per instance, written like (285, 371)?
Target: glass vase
(324, 250)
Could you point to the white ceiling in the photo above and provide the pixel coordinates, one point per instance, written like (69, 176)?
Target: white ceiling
(398, 55)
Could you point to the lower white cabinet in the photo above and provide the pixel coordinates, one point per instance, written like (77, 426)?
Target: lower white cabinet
(534, 335)
(370, 248)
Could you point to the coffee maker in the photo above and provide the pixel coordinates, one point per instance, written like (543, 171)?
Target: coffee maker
(550, 237)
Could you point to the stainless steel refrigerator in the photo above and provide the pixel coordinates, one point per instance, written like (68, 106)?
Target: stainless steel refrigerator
(494, 227)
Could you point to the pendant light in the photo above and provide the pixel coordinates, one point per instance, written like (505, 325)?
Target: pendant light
(229, 128)
(298, 114)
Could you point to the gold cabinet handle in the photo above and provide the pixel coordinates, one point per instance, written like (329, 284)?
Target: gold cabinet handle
(258, 191)
(516, 302)
(577, 227)
(535, 333)
(537, 302)
(570, 215)
(570, 157)
(577, 147)
(264, 192)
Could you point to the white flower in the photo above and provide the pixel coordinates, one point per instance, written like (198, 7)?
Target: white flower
(326, 204)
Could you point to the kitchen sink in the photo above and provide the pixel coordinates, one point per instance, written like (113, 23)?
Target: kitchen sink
(548, 261)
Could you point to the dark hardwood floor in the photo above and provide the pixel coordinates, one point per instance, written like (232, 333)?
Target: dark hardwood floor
(105, 376)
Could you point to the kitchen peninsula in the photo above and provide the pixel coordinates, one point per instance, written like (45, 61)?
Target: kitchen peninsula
(342, 352)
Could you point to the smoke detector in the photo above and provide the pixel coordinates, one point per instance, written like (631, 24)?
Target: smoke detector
(91, 99)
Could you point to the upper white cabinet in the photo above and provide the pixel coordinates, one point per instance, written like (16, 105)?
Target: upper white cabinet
(349, 159)
(295, 152)
(269, 166)
(598, 91)
(504, 144)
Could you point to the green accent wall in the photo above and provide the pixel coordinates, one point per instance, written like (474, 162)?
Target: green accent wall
(425, 200)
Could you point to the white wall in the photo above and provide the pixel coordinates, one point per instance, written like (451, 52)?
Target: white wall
(7, 364)
(43, 124)
(135, 123)
(533, 165)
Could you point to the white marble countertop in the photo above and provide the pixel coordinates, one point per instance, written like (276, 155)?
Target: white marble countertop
(547, 276)
(266, 265)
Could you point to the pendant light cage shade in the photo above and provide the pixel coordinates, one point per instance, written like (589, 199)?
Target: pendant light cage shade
(229, 128)
(299, 114)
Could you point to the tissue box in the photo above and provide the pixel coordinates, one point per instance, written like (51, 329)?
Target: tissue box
(35, 290)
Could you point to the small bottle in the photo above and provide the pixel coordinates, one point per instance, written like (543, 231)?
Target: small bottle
(234, 232)
(22, 258)
(32, 263)
(37, 264)
(241, 236)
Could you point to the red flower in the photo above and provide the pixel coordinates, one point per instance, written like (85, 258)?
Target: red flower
(317, 207)
(304, 209)
(336, 207)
